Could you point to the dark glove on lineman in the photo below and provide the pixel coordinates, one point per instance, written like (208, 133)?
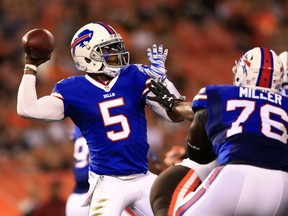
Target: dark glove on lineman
(162, 95)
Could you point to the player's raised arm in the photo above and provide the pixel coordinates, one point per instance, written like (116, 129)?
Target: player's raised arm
(157, 57)
(28, 105)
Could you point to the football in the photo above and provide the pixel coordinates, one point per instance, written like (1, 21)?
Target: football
(38, 43)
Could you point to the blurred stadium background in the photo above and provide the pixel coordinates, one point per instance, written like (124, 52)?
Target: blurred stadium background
(204, 38)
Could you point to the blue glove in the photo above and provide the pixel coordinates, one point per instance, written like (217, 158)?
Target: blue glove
(157, 60)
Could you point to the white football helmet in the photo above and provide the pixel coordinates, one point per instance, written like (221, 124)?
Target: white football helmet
(284, 58)
(259, 68)
(93, 44)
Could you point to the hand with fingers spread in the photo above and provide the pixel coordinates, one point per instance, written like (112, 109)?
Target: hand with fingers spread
(157, 59)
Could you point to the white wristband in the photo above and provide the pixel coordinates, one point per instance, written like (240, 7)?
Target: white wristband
(30, 67)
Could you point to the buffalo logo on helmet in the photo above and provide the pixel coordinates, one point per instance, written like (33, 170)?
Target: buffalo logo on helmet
(244, 62)
(82, 39)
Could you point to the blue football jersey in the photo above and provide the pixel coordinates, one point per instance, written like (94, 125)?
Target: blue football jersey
(81, 165)
(76, 133)
(284, 91)
(246, 125)
(111, 117)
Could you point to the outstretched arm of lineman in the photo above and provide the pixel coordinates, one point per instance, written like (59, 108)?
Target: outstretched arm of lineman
(175, 106)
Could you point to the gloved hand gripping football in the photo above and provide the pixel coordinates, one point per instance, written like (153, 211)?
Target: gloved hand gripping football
(162, 95)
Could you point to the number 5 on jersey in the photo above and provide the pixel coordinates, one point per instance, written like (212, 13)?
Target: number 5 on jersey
(109, 120)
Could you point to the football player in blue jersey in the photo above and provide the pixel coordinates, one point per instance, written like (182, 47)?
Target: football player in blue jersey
(284, 58)
(108, 106)
(247, 125)
(81, 156)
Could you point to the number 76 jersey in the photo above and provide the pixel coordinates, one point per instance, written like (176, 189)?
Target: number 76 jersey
(246, 125)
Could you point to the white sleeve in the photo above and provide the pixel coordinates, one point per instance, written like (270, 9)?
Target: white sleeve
(47, 108)
(156, 107)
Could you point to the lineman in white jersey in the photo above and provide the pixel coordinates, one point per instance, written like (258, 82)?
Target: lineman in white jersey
(108, 105)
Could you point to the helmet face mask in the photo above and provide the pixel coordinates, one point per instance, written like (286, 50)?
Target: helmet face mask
(114, 54)
(259, 68)
(98, 48)
(284, 58)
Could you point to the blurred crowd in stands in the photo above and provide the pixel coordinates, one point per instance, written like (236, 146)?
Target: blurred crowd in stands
(204, 38)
